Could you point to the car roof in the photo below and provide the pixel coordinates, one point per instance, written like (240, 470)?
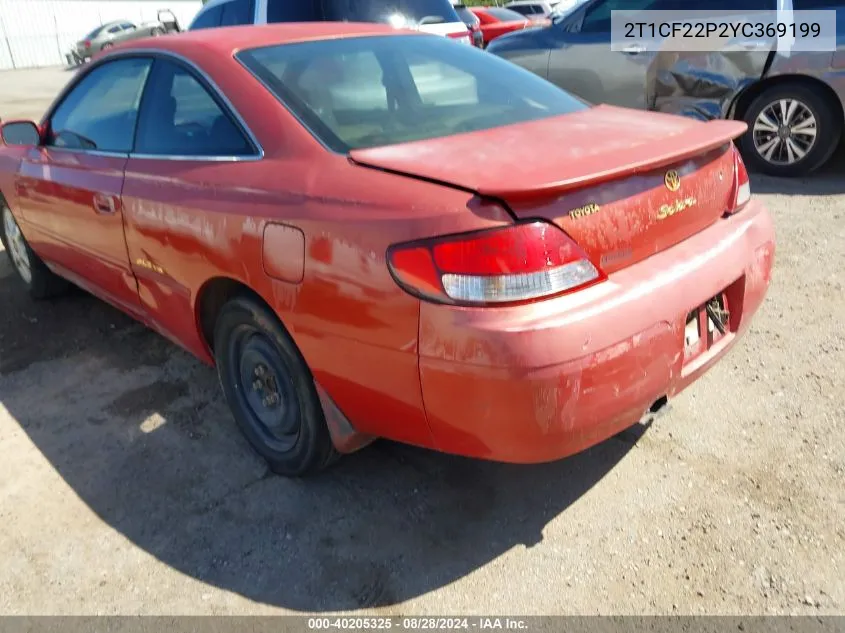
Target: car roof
(230, 39)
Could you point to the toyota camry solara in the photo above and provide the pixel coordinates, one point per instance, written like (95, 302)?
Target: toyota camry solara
(373, 233)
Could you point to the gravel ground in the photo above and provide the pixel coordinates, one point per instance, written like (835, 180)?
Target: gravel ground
(125, 487)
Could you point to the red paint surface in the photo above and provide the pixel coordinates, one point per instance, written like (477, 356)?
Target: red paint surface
(521, 383)
(491, 27)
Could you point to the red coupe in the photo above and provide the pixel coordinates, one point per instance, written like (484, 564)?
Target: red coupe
(374, 233)
(496, 21)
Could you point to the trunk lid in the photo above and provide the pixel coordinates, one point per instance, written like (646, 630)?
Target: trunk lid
(623, 184)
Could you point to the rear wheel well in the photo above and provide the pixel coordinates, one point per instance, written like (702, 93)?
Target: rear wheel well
(747, 96)
(213, 296)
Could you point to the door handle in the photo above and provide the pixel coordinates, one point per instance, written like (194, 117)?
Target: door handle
(104, 203)
(634, 49)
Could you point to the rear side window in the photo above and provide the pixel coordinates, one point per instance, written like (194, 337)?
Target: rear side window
(372, 91)
(238, 12)
(207, 19)
(180, 117)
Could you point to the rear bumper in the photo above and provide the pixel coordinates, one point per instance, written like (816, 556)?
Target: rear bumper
(539, 382)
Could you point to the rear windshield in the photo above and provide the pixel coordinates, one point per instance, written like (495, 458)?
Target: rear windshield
(373, 91)
(505, 15)
(93, 34)
(397, 12)
(527, 9)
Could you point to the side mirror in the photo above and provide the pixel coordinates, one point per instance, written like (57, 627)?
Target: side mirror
(20, 133)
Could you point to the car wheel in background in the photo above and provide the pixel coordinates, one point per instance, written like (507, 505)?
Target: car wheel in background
(270, 390)
(156, 32)
(106, 45)
(40, 281)
(792, 131)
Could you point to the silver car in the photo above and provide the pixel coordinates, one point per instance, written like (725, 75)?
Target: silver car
(114, 33)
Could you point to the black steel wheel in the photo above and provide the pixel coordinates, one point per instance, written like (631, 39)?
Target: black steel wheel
(270, 390)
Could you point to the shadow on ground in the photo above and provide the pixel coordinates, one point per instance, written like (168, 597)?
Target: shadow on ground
(828, 181)
(138, 430)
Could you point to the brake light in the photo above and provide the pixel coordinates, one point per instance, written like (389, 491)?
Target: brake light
(742, 184)
(517, 263)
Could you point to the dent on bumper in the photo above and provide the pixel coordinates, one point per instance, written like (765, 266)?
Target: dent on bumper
(540, 382)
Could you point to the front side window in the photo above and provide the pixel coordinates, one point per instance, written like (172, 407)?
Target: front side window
(372, 91)
(180, 117)
(100, 112)
(127, 26)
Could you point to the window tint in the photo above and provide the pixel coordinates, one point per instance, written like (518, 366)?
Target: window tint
(207, 19)
(505, 15)
(299, 11)
(238, 12)
(180, 118)
(101, 110)
(527, 9)
(127, 26)
(366, 92)
(597, 17)
(817, 5)
(115, 29)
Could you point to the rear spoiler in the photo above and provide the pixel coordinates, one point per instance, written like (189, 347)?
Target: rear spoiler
(629, 162)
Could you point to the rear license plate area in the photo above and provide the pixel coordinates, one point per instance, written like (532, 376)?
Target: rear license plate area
(706, 325)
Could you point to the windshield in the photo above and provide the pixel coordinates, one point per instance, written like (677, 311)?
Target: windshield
(399, 13)
(373, 91)
(505, 15)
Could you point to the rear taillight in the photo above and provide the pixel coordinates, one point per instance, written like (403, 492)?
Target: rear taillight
(87, 43)
(742, 185)
(517, 263)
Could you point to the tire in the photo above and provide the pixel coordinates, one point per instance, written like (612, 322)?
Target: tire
(828, 131)
(106, 46)
(40, 281)
(156, 32)
(257, 360)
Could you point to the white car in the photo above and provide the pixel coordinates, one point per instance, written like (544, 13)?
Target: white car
(432, 16)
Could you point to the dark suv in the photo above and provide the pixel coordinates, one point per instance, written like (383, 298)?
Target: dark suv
(432, 16)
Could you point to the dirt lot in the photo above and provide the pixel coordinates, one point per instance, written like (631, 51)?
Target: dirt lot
(125, 487)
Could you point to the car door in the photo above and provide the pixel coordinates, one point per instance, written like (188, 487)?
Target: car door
(583, 63)
(69, 188)
(189, 186)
